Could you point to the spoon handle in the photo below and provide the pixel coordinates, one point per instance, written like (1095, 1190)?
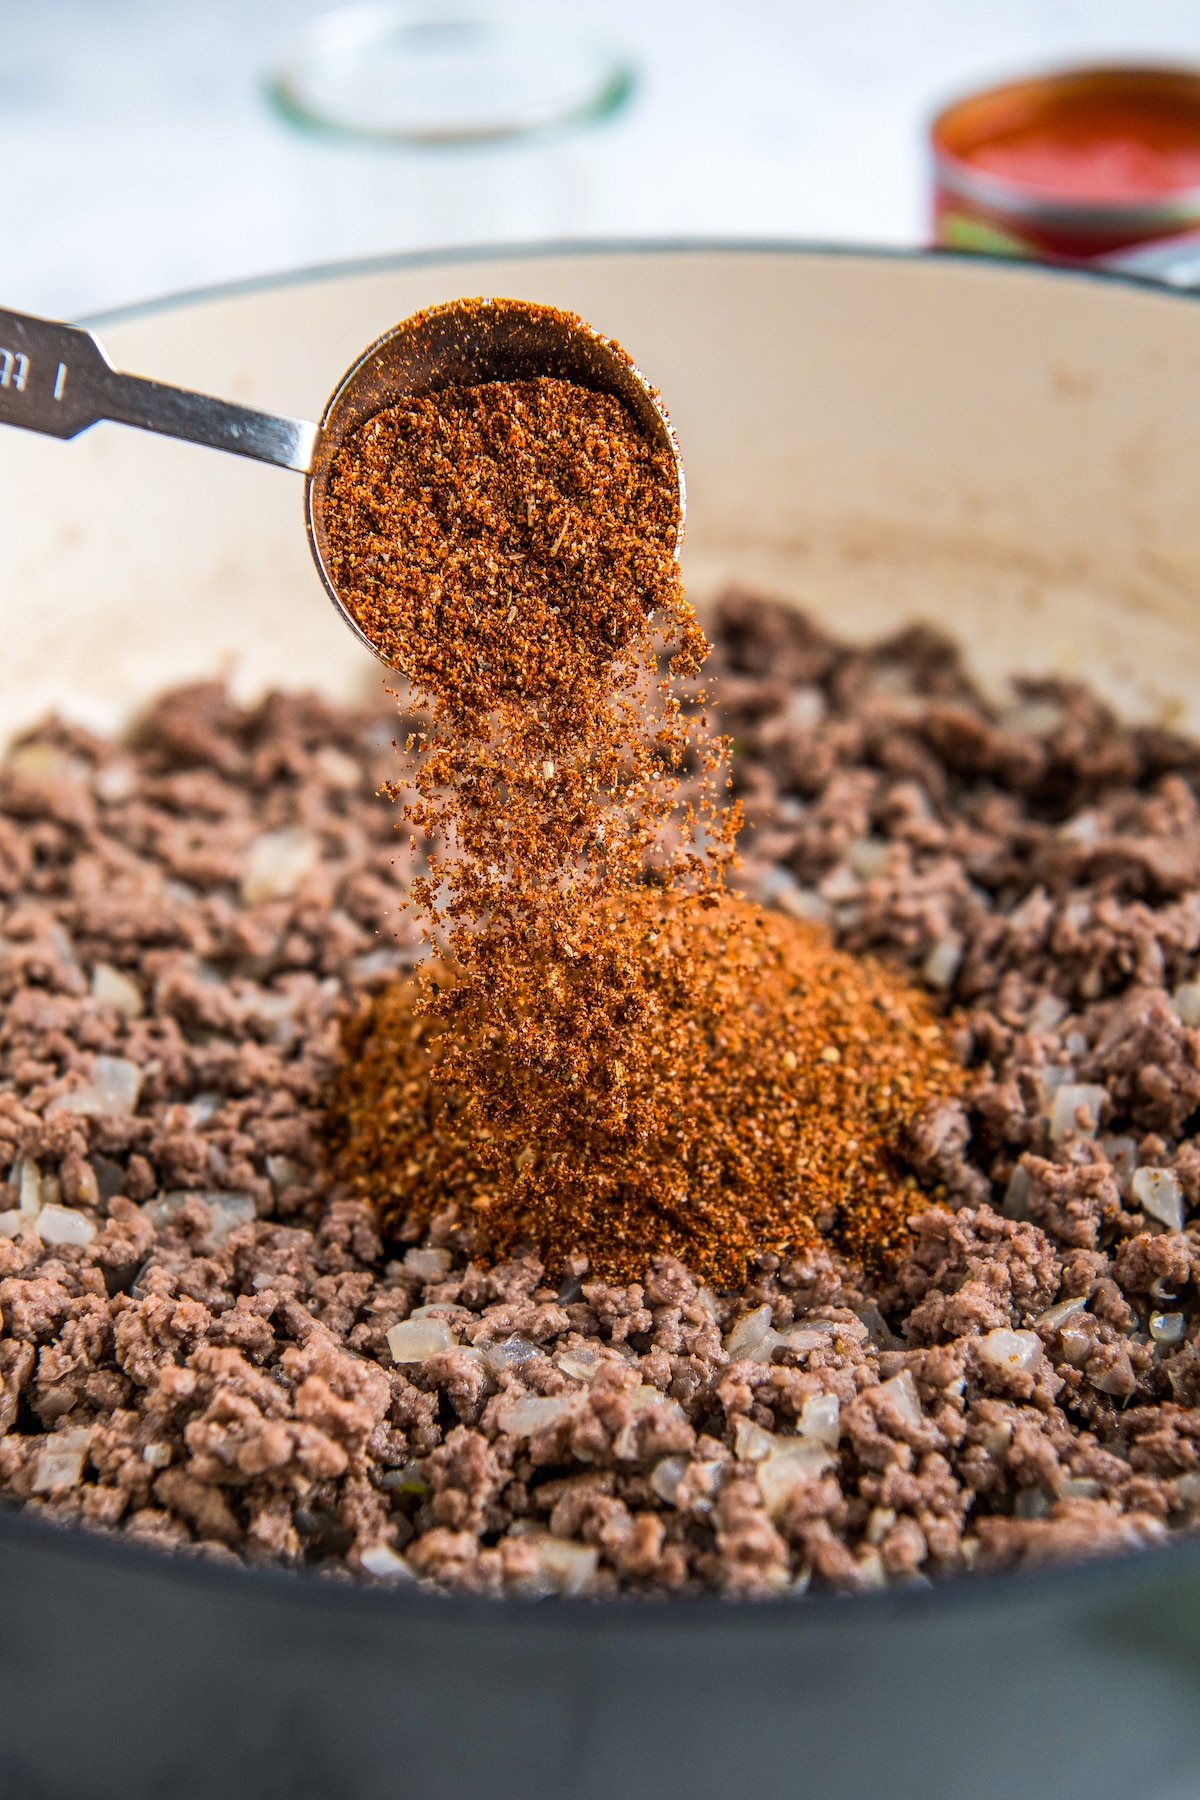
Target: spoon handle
(56, 379)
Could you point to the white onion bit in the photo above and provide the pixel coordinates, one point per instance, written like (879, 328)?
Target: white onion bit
(60, 1461)
(416, 1340)
(1186, 1001)
(509, 1353)
(1054, 1315)
(276, 864)
(790, 1462)
(568, 1567)
(1006, 1349)
(385, 1565)
(753, 1338)
(63, 1225)
(426, 1265)
(534, 1412)
(26, 1177)
(750, 1442)
(941, 965)
(903, 1390)
(667, 1476)
(819, 1419)
(1159, 1193)
(113, 1090)
(1076, 1108)
(112, 988)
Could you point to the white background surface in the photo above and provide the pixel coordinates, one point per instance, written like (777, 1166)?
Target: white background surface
(141, 155)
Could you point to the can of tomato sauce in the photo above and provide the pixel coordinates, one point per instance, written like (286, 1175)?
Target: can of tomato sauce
(1073, 167)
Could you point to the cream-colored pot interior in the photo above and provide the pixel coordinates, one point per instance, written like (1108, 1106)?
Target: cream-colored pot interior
(1010, 453)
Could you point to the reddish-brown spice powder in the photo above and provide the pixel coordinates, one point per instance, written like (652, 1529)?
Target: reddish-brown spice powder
(609, 1056)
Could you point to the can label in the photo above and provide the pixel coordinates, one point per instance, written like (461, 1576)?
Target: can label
(1074, 167)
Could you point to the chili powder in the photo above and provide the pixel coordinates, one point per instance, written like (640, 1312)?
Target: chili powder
(607, 1055)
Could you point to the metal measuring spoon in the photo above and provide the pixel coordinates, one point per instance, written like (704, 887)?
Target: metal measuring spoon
(57, 380)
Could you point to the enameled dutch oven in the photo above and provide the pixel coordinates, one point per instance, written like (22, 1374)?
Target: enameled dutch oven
(1010, 452)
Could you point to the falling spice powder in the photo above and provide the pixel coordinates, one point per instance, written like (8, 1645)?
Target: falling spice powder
(607, 1055)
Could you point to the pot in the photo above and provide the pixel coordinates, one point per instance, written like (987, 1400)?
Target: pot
(1008, 452)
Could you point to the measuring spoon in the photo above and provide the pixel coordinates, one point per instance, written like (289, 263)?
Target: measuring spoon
(56, 379)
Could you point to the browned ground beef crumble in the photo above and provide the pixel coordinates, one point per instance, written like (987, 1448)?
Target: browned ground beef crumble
(194, 1346)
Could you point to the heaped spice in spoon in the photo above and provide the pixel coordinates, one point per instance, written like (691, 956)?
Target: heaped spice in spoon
(610, 1056)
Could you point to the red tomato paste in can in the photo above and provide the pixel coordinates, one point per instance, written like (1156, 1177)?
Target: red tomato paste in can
(1070, 167)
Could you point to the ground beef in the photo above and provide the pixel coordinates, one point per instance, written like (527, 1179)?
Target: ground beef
(198, 1328)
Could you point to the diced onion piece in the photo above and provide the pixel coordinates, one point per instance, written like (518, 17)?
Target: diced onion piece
(790, 1462)
(283, 1172)
(871, 1572)
(1049, 1080)
(110, 987)
(1016, 1194)
(113, 1090)
(1077, 1344)
(941, 964)
(879, 1522)
(157, 1455)
(1077, 1107)
(903, 1390)
(1186, 1001)
(534, 1412)
(753, 1338)
(60, 1461)
(509, 1353)
(416, 1340)
(868, 856)
(27, 1178)
(667, 1476)
(819, 1419)
(581, 1364)
(63, 1225)
(1049, 1012)
(426, 1265)
(115, 781)
(13, 1223)
(1168, 1327)
(1079, 1487)
(1054, 1315)
(1006, 1349)
(569, 1567)
(1122, 1153)
(384, 1564)
(648, 1395)
(225, 1211)
(750, 1442)
(1159, 1193)
(276, 864)
(336, 769)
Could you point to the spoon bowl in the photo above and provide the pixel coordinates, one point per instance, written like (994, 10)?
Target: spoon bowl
(466, 343)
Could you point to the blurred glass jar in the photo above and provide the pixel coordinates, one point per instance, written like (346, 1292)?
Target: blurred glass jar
(438, 75)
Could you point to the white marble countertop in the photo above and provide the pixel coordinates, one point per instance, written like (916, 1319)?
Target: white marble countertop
(142, 155)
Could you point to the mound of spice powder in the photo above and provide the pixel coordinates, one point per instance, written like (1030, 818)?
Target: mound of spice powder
(607, 1056)
(784, 1077)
